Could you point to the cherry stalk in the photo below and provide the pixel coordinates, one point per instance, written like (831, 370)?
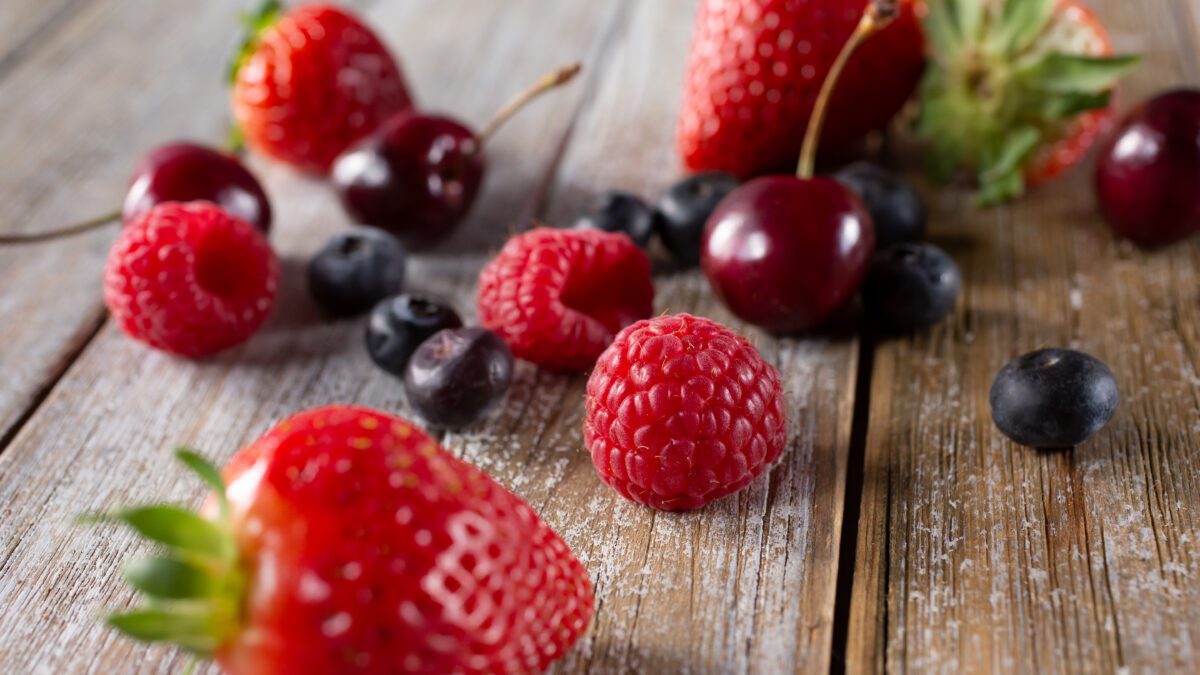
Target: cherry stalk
(177, 172)
(68, 231)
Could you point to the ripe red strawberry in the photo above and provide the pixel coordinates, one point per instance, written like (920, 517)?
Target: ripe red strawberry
(681, 411)
(558, 297)
(311, 81)
(348, 541)
(1017, 90)
(190, 279)
(755, 69)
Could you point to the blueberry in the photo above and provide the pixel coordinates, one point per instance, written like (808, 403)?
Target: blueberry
(399, 325)
(455, 376)
(1053, 398)
(911, 286)
(623, 212)
(896, 209)
(355, 270)
(685, 208)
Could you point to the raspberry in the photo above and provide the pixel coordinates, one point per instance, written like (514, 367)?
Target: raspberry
(557, 297)
(682, 411)
(190, 279)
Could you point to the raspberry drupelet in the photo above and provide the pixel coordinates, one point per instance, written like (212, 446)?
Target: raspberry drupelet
(682, 411)
(558, 297)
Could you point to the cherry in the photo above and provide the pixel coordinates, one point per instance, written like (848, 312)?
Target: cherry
(785, 252)
(1148, 174)
(417, 176)
(184, 172)
(177, 172)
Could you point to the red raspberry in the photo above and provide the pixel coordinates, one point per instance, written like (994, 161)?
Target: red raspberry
(682, 411)
(190, 279)
(557, 297)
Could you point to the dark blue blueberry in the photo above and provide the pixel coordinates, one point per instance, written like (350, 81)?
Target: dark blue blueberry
(355, 270)
(1053, 398)
(399, 325)
(685, 208)
(458, 374)
(896, 209)
(911, 286)
(622, 212)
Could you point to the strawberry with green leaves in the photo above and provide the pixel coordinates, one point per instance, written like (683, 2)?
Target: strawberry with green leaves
(1016, 90)
(347, 541)
(311, 80)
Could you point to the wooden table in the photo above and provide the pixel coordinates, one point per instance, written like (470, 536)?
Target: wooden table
(900, 532)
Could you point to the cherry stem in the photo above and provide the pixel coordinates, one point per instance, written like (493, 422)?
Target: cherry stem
(77, 228)
(551, 80)
(877, 15)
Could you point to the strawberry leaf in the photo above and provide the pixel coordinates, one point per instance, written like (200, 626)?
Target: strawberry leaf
(235, 140)
(192, 629)
(968, 16)
(1077, 74)
(207, 473)
(1066, 106)
(941, 30)
(1000, 177)
(1011, 154)
(1021, 22)
(1000, 189)
(254, 23)
(181, 530)
(170, 578)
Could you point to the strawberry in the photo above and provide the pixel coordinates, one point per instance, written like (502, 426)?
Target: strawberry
(756, 67)
(345, 540)
(1016, 91)
(309, 82)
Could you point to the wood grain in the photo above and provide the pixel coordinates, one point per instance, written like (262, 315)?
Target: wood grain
(103, 434)
(744, 586)
(977, 555)
(100, 85)
(26, 25)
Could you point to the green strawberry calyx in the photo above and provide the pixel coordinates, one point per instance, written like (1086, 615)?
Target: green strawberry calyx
(193, 588)
(253, 23)
(1000, 83)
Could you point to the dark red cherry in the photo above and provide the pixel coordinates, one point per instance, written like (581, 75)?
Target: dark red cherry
(1148, 174)
(415, 177)
(785, 253)
(184, 172)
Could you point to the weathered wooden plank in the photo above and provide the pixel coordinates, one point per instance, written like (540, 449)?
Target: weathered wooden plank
(110, 81)
(758, 567)
(25, 26)
(102, 435)
(975, 554)
(746, 584)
